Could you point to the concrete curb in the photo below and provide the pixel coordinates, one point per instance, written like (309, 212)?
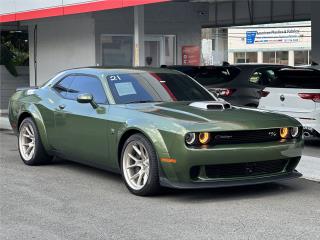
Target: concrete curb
(4, 123)
(310, 168)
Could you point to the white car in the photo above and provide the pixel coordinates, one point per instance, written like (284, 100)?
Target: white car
(295, 92)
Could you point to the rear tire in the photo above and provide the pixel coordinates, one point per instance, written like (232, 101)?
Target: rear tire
(31, 149)
(139, 166)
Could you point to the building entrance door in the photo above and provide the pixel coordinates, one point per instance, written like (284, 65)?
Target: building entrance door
(154, 51)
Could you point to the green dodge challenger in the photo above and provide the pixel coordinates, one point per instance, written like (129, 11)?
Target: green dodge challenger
(156, 127)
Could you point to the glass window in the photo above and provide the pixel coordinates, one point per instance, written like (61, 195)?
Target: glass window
(210, 76)
(154, 87)
(63, 86)
(256, 78)
(282, 57)
(251, 57)
(87, 84)
(239, 57)
(269, 57)
(117, 50)
(300, 58)
(297, 78)
(263, 76)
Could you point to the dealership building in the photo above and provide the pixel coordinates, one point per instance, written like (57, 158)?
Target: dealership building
(280, 43)
(76, 33)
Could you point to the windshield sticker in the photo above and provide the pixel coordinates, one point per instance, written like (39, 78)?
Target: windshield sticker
(125, 88)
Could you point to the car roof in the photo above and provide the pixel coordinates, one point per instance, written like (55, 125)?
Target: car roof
(118, 70)
(240, 65)
(257, 65)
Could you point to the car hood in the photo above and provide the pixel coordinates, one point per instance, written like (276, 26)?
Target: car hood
(234, 118)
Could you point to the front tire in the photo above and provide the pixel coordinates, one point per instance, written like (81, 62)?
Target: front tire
(139, 166)
(31, 149)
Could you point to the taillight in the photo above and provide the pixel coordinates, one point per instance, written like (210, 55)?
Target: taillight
(310, 96)
(263, 93)
(223, 92)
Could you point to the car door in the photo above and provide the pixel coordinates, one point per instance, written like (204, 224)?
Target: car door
(83, 129)
(58, 100)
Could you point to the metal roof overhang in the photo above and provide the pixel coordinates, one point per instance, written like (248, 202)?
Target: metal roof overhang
(20, 10)
(221, 13)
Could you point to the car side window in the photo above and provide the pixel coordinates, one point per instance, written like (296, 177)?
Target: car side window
(256, 78)
(263, 76)
(62, 87)
(87, 84)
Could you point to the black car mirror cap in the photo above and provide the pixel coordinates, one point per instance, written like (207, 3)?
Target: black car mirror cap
(87, 98)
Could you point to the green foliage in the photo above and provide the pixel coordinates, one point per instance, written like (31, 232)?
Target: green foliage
(14, 50)
(7, 59)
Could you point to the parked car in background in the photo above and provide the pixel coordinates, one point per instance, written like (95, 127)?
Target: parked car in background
(239, 84)
(296, 92)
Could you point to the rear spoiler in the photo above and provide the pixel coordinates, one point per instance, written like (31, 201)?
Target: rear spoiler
(26, 88)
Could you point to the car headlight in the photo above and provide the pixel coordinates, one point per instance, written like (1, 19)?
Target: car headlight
(190, 138)
(284, 132)
(204, 137)
(294, 132)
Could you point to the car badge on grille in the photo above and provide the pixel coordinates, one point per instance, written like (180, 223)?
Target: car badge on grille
(272, 134)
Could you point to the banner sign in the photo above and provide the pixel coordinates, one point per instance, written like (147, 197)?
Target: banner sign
(191, 55)
(265, 36)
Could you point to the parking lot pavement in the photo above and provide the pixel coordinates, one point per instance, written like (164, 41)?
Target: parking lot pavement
(66, 200)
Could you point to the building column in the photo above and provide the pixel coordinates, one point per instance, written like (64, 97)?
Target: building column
(32, 45)
(231, 57)
(291, 58)
(260, 57)
(139, 57)
(315, 31)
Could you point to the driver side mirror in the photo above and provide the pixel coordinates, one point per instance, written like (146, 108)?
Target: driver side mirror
(87, 98)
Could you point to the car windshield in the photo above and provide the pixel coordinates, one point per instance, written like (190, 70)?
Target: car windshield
(155, 87)
(296, 78)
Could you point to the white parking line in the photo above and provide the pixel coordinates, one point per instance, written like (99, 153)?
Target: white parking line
(310, 167)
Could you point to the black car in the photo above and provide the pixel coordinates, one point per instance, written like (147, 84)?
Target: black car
(240, 84)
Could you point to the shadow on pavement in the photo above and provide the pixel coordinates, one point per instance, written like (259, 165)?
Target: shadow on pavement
(213, 194)
(312, 142)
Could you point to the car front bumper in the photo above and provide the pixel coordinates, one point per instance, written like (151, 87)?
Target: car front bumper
(178, 174)
(229, 182)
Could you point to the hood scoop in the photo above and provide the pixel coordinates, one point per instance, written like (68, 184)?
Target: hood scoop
(216, 105)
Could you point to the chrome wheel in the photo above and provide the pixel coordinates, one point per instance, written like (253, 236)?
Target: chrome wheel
(27, 141)
(136, 165)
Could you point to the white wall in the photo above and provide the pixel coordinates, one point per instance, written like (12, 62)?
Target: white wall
(181, 19)
(74, 41)
(63, 42)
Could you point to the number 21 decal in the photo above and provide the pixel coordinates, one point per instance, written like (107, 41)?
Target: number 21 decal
(114, 78)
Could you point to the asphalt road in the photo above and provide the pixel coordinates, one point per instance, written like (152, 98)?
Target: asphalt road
(70, 201)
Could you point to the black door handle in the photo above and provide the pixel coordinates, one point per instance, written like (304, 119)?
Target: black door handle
(62, 106)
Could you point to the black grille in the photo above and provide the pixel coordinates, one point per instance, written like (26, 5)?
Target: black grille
(252, 136)
(245, 169)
